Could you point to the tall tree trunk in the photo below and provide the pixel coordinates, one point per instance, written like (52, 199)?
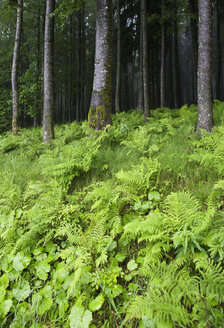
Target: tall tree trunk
(48, 124)
(118, 73)
(15, 66)
(219, 57)
(163, 60)
(140, 79)
(101, 101)
(145, 59)
(175, 56)
(205, 117)
(194, 37)
(38, 58)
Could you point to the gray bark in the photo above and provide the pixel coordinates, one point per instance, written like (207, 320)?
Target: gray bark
(101, 100)
(140, 79)
(175, 56)
(205, 117)
(145, 59)
(15, 66)
(118, 73)
(219, 51)
(194, 37)
(163, 60)
(48, 108)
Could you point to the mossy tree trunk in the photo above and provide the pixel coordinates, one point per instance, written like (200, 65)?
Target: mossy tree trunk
(101, 100)
(15, 65)
(48, 124)
(205, 116)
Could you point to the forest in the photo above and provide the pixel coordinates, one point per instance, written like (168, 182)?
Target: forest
(111, 155)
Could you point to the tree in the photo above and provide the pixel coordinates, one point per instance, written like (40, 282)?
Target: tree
(175, 57)
(205, 116)
(101, 100)
(118, 73)
(15, 66)
(194, 39)
(163, 58)
(48, 124)
(145, 59)
(140, 78)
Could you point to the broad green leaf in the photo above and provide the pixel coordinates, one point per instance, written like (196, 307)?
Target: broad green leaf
(23, 308)
(96, 303)
(79, 318)
(114, 291)
(38, 251)
(4, 308)
(120, 257)
(4, 281)
(154, 195)
(21, 290)
(46, 291)
(132, 265)
(42, 270)
(21, 261)
(2, 294)
(51, 247)
(4, 263)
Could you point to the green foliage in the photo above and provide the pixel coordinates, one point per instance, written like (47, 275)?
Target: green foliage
(117, 228)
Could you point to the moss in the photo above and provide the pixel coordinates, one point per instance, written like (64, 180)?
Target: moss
(97, 117)
(100, 117)
(92, 117)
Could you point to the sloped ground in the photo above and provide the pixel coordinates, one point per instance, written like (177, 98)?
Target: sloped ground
(118, 229)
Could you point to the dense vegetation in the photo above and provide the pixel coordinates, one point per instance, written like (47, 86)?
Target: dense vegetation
(114, 228)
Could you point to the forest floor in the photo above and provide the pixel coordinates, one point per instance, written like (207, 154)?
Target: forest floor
(117, 228)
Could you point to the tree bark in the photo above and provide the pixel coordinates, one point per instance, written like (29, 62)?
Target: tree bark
(205, 116)
(194, 37)
(48, 108)
(175, 56)
(140, 79)
(219, 51)
(163, 60)
(101, 101)
(145, 59)
(118, 73)
(15, 69)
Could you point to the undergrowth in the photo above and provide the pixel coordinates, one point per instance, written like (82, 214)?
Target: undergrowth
(114, 228)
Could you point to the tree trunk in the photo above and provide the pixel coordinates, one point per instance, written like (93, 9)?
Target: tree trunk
(145, 59)
(118, 73)
(175, 56)
(37, 112)
(48, 124)
(163, 60)
(101, 101)
(15, 66)
(219, 57)
(140, 79)
(205, 118)
(194, 37)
